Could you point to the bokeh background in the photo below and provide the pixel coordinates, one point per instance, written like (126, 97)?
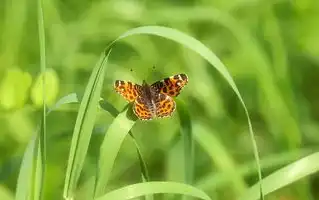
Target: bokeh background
(271, 49)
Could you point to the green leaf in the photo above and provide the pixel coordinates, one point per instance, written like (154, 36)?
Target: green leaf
(141, 189)
(84, 126)
(110, 147)
(285, 176)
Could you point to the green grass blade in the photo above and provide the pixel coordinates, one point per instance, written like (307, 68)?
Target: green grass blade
(220, 156)
(70, 98)
(285, 176)
(25, 184)
(187, 137)
(114, 112)
(215, 180)
(141, 189)
(83, 127)
(110, 147)
(40, 143)
(208, 55)
(5, 193)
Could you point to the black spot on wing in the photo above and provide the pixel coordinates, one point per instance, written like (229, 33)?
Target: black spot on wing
(184, 77)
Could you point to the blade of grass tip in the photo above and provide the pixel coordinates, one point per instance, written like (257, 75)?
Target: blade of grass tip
(25, 184)
(110, 147)
(84, 126)
(187, 135)
(285, 176)
(70, 98)
(208, 55)
(141, 189)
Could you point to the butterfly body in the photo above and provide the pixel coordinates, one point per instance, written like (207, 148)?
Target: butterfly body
(155, 100)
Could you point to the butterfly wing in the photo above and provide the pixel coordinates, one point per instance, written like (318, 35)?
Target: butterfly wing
(128, 90)
(142, 109)
(165, 105)
(171, 86)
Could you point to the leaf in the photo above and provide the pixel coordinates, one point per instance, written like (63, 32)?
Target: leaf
(285, 176)
(84, 126)
(141, 189)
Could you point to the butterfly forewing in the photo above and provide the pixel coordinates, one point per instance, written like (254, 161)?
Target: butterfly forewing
(127, 89)
(171, 86)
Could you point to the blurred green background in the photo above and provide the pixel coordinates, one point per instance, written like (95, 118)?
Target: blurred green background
(271, 49)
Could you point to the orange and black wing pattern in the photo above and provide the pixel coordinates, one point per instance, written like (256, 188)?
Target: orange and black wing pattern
(127, 89)
(171, 86)
(165, 106)
(143, 110)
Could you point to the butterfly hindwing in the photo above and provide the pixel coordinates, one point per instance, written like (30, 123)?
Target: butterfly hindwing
(171, 86)
(143, 110)
(127, 89)
(165, 105)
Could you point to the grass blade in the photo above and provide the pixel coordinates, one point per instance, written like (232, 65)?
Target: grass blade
(70, 98)
(25, 181)
(285, 176)
(39, 151)
(187, 135)
(111, 109)
(83, 127)
(141, 189)
(114, 112)
(208, 55)
(110, 147)
(220, 156)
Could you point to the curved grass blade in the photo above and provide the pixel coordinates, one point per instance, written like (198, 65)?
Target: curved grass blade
(215, 180)
(25, 182)
(208, 55)
(141, 189)
(220, 156)
(84, 126)
(70, 98)
(285, 176)
(114, 112)
(110, 147)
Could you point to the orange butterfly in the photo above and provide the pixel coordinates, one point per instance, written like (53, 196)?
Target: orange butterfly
(154, 100)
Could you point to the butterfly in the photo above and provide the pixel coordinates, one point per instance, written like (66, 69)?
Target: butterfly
(155, 100)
